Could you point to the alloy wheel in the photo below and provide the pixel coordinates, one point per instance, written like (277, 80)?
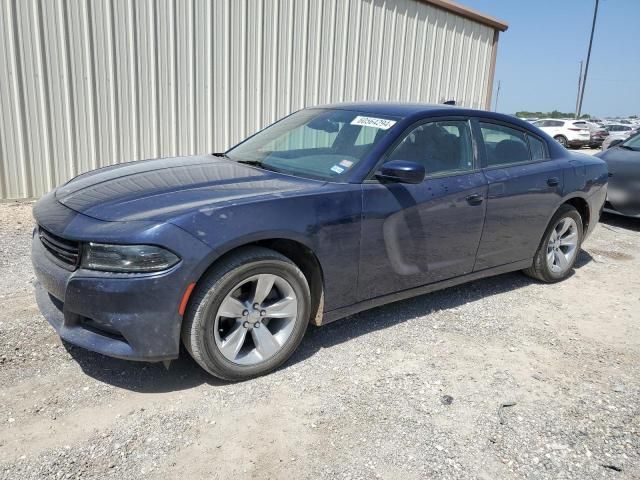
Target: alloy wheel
(562, 247)
(255, 319)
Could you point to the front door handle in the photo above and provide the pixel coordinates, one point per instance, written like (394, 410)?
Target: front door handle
(553, 181)
(474, 199)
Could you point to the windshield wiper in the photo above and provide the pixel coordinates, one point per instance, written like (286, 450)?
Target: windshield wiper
(253, 163)
(256, 163)
(627, 147)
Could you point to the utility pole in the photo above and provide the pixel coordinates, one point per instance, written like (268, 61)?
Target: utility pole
(579, 85)
(586, 68)
(495, 108)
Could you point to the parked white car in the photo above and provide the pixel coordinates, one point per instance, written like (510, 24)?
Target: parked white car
(568, 133)
(618, 133)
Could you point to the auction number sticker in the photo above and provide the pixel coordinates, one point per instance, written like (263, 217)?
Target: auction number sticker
(381, 123)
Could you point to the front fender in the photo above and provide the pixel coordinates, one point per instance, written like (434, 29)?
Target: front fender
(327, 222)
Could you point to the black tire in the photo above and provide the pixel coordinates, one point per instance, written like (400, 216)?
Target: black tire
(198, 323)
(562, 140)
(540, 269)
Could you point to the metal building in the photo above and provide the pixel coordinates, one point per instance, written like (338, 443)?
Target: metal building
(89, 83)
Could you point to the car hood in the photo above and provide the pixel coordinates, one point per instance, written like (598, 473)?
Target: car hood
(163, 188)
(617, 157)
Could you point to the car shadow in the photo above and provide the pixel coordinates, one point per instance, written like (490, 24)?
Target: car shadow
(184, 373)
(144, 377)
(391, 314)
(613, 220)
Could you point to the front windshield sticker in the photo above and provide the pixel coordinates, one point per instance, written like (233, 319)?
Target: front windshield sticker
(346, 163)
(337, 169)
(381, 123)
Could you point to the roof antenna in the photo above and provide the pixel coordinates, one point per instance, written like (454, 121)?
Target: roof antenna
(450, 102)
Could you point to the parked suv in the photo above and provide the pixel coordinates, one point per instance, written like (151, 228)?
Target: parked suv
(568, 133)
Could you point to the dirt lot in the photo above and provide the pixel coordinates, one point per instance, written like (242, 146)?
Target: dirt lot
(407, 391)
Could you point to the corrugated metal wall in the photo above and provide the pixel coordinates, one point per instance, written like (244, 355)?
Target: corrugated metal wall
(89, 83)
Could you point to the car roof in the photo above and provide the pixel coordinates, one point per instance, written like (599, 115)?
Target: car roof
(400, 109)
(388, 108)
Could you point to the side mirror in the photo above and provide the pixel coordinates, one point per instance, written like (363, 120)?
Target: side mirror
(401, 171)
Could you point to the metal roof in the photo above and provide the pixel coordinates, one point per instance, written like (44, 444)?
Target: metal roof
(469, 13)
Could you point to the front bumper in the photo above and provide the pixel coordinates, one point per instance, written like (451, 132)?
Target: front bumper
(126, 316)
(629, 214)
(122, 315)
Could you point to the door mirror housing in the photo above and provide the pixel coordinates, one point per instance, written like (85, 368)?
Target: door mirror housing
(401, 171)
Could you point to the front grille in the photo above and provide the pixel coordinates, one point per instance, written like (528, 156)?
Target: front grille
(65, 252)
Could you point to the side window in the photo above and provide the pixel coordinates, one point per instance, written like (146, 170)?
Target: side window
(538, 152)
(504, 145)
(442, 147)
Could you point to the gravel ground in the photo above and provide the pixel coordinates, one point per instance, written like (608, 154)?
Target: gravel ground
(500, 378)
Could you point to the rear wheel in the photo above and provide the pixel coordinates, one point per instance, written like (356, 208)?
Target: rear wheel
(562, 140)
(559, 248)
(248, 315)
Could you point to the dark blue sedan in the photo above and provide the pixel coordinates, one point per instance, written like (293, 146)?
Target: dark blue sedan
(328, 212)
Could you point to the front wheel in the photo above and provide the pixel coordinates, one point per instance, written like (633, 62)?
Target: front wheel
(559, 248)
(248, 315)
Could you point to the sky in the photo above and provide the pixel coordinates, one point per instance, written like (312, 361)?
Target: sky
(538, 56)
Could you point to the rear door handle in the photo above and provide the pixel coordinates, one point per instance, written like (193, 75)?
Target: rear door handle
(553, 181)
(474, 199)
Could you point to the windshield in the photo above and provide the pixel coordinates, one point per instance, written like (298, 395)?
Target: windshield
(315, 143)
(633, 143)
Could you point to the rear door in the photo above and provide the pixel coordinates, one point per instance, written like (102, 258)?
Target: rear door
(525, 187)
(413, 235)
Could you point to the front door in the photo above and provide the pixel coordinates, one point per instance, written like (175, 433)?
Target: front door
(413, 235)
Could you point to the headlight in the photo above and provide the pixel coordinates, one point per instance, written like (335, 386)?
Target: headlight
(127, 258)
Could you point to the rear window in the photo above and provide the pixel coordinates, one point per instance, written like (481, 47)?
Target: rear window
(504, 145)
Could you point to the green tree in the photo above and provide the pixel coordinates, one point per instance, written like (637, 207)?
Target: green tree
(552, 114)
